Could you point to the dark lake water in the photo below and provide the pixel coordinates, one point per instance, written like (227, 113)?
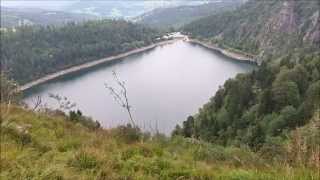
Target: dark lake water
(165, 85)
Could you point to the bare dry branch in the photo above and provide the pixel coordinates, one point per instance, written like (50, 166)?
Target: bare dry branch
(36, 103)
(63, 102)
(121, 96)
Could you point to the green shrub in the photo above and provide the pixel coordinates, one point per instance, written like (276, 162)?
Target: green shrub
(22, 137)
(210, 154)
(128, 133)
(68, 144)
(273, 149)
(77, 116)
(136, 150)
(83, 160)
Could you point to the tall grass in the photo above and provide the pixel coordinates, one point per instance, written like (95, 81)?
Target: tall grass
(39, 146)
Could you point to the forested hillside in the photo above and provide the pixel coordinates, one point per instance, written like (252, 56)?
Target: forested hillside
(178, 16)
(255, 108)
(268, 29)
(13, 17)
(262, 107)
(31, 52)
(126, 9)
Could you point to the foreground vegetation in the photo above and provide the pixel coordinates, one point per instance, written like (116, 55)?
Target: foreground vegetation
(50, 145)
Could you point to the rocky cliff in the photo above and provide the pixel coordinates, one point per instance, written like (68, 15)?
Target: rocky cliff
(265, 28)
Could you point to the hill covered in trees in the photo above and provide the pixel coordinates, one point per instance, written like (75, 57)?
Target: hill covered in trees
(124, 9)
(29, 52)
(13, 17)
(260, 108)
(268, 29)
(178, 16)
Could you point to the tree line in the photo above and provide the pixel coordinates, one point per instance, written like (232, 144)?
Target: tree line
(255, 108)
(30, 52)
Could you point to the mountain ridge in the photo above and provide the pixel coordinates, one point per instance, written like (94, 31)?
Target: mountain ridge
(178, 16)
(266, 28)
(14, 17)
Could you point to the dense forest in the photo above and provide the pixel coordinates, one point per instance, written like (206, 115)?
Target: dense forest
(29, 52)
(256, 107)
(262, 107)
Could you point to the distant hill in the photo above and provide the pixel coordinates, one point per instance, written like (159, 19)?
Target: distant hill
(124, 9)
(12, 17)
(181, 15)
(263, 27)
(32, 52)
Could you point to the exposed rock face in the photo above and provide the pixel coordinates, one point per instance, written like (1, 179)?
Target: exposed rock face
(268, 28)
(313, 34)
(286, 26)
(282, 22)
(286, 20)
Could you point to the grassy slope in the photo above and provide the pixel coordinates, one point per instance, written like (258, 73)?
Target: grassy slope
(42, 146)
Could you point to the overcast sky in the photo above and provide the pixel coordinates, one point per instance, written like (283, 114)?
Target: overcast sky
(60, 4)
(37, 4)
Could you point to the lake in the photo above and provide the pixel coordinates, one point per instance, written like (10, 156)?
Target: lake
(165, 85)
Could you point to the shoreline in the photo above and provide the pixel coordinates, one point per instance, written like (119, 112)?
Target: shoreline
(90, 64)
(233, 55)
(60, 73)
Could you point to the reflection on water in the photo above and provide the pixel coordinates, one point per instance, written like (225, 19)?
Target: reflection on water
(165, 85)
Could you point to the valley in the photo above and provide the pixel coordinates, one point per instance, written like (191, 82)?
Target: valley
(165, 71)
(168, 90)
